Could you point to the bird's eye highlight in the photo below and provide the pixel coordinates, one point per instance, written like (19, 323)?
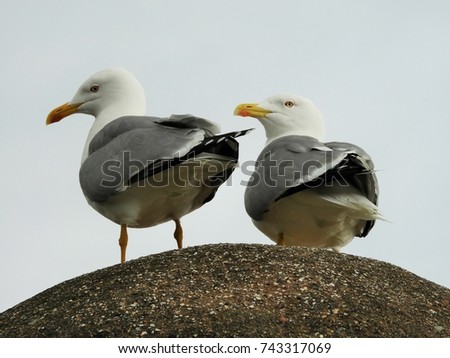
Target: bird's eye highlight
(94, 88)
(289, 104)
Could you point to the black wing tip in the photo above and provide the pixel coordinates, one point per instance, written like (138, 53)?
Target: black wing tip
(235, 134)
(243, 132)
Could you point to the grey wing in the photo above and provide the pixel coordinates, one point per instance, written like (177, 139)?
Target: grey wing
(295, 163)
(125, 147)
(191, 121)
(287, 164)
(128, 123)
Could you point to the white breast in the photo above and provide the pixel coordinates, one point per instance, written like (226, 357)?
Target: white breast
(327, 217)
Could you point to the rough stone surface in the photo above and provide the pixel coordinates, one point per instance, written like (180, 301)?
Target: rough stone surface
(238, 290)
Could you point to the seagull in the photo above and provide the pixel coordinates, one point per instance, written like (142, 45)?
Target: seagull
(140, 171)
(305, 192)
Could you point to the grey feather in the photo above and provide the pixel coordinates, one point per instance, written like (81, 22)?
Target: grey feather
(129, 144)
(191, 121)
(294, 163)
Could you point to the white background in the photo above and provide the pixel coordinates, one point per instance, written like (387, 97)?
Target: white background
(379, 70)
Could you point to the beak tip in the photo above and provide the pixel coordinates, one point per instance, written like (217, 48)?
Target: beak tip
(240, 111)
(48, 121)
(52, 118)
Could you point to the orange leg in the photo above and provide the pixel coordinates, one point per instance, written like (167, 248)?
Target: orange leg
(123, 242)
(280, 239)
(178, 234)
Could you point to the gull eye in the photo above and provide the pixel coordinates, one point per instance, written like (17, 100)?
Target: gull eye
(94, 88)
(289, 104)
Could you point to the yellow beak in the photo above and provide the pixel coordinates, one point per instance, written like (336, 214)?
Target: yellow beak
(250, 110)
(62, 111)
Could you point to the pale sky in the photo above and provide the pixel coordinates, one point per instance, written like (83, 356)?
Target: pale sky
(378, 69)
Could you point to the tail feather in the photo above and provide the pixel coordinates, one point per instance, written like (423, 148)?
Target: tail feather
(351, 199)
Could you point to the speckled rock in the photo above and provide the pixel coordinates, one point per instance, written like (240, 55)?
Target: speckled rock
(238, 290)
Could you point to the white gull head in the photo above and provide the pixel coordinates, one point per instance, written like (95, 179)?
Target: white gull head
(286, 114)
(106, 95)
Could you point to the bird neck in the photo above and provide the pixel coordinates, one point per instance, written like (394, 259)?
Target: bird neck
(278, 130)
